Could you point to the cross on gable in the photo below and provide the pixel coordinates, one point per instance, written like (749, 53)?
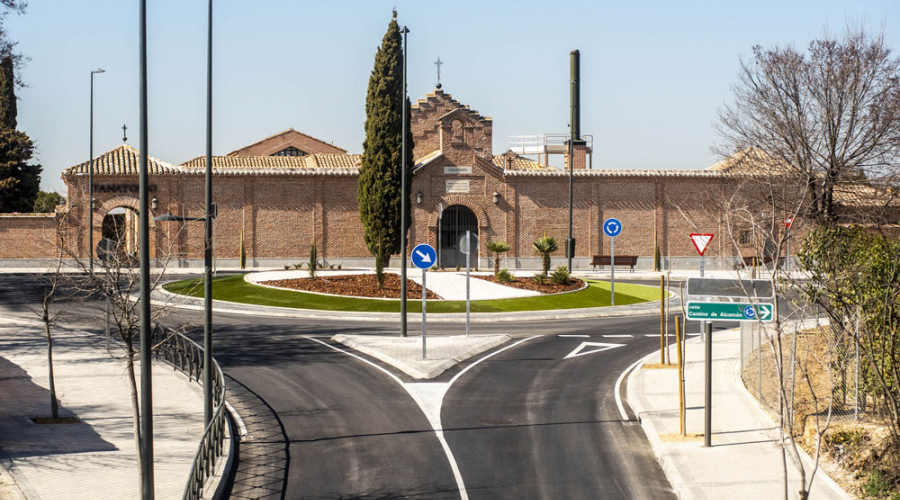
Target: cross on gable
(438, 63)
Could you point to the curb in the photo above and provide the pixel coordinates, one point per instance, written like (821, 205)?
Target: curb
(412, 371)
(162, 297)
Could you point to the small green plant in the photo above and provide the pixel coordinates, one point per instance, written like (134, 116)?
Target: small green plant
(504, 276)
(286, 267)
(497, 248)
(331, 266)
(538, 278)
(434, 268)
(545, 245)
(457, 268)
(878, 485)
(560, 276)
(339, 267)
(313, 261)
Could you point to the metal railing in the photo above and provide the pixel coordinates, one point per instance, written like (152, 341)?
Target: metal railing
(187, 356)
(541, 142)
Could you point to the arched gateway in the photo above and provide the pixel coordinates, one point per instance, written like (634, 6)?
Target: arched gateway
(456, 220)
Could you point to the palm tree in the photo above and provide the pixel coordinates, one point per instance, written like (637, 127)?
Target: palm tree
(546, 245)
(497, 247)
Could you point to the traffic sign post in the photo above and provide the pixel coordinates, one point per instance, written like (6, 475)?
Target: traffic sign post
(423, 257)
(701, 243)
(707, 312)
(612, 228)
(465, 246)
(730, 311)
(788, 222)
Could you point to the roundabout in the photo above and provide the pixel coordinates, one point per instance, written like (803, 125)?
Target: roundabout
(242, 289)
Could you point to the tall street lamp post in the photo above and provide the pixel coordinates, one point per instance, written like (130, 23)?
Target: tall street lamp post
(91, 178)
(403, 198)
(207, 249)
(146, 451)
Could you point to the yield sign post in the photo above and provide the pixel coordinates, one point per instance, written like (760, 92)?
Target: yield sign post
(701, 243)
(423, 257)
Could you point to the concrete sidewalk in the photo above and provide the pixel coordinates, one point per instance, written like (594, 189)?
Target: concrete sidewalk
(745, 458)
(95, 459)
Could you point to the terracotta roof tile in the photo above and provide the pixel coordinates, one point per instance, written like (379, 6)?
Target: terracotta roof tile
(123, 160)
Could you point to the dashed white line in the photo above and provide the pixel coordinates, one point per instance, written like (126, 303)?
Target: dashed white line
(579, 336)
(618, 336)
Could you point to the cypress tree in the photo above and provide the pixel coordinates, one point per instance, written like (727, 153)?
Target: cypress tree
(8, 109)
(380, 174)
(19, 182)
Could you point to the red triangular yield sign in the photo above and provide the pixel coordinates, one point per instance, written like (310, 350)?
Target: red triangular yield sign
(701, 242)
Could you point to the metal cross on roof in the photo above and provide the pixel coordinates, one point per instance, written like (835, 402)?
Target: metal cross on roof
(124, 133)
(438, 63)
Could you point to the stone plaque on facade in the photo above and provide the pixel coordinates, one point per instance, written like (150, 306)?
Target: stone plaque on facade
(457, 186)
(457, 170)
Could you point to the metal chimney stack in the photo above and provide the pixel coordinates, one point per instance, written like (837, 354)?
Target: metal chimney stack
(575, 95)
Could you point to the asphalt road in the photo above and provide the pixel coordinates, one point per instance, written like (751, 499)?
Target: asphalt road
(524, 424)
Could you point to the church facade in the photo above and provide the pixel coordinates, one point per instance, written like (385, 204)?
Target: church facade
(278, 196)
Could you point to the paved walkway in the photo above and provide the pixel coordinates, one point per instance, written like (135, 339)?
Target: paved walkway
(448, 285)
(744, 461)
(95, 459)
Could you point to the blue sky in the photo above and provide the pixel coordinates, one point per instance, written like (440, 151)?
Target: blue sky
(654, 73)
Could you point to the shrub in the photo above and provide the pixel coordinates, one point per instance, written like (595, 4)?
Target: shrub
(545, 245)
(457, 268)
(560, 276)
(313, 261)
(504, 276)
(339, 267)
(538, 278)
(497, 248)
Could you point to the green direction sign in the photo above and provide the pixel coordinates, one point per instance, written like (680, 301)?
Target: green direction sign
(730, 311)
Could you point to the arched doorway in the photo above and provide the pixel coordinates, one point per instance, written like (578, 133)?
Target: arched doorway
(456, 220)
(119, 236)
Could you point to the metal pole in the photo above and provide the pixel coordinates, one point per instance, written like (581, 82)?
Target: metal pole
(147, 488)
(571, 183)
(424, 295)
(759, 351)
(707, 390)
(91, 185)
(612, 270)
(208, 226)
(403, 201)
(438, 251)
(468, 261)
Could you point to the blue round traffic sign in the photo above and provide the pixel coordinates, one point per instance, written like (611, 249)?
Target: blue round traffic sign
(749, 312)
(423, 256)
(612, 227)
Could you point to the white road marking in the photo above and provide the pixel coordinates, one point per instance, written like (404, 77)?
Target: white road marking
(618, 336)
(579, 351)
(657, 335)
(581, 336)
(619, 387)
(431, 404)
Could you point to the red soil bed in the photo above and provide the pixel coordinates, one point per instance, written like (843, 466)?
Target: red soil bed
(547, 288)
(355, 285)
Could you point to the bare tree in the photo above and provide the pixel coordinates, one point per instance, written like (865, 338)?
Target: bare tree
(830, 115)
(117, 280)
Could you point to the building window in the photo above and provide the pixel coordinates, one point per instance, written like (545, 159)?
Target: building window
(744, 237)
(289, 151)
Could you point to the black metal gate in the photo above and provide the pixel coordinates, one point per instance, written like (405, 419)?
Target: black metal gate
(458, 219)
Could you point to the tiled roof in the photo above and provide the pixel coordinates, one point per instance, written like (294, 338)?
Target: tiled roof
(268, 163)
(516, 163)
(283, 132)
(123, 160)
(751, 161)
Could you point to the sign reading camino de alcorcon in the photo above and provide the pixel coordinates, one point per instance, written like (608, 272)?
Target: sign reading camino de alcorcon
(730, 311)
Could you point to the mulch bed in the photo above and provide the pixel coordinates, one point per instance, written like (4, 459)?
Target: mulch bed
(546, 288)
(355, 285)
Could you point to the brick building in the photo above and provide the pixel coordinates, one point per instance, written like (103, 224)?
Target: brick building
(289, 190)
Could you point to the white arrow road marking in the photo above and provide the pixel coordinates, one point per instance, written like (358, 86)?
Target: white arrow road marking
(600, 348)
(426, 258)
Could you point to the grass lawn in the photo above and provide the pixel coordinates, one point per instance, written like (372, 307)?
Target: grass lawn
(235, 289)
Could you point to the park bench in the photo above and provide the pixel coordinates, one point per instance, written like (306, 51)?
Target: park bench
(621, 260)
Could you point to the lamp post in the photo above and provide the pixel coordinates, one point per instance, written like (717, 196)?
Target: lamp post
(91, 177)
(403, 197)
(207, 248)
(146, 451)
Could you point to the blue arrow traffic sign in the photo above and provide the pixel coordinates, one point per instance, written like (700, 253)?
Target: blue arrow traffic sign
(423, 256)
(612, 227)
